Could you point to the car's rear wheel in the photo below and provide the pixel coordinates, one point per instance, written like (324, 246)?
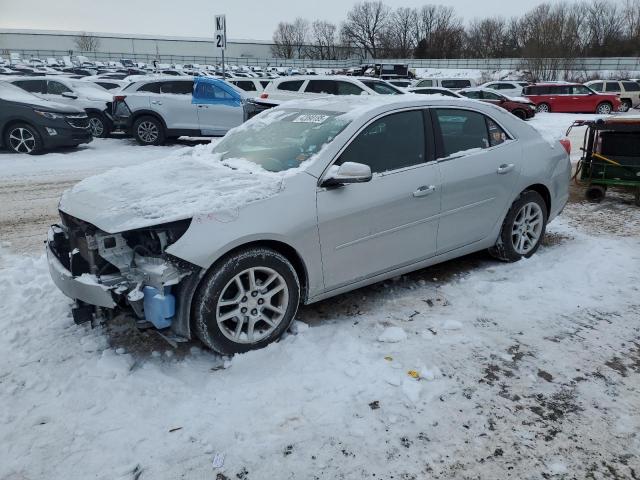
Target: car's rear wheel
(246, 301)
(99, 126)
(543, 108)
(604, 108)
(523, 228)
(149, 131)
(23, 138)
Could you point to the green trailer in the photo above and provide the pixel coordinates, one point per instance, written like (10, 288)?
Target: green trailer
(610, 156)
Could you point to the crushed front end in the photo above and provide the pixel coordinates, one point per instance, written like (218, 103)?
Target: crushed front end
(105, 273)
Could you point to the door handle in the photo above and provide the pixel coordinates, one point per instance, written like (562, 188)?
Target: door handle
(155, 102)
(505, 168)
(424, 190)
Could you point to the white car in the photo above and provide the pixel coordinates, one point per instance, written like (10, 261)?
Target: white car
(449, 83)
(250, 85)
(315, 86)
(508, 88)
(93, 99)
(627, 90)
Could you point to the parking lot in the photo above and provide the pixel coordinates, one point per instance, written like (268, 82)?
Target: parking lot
(470, 369)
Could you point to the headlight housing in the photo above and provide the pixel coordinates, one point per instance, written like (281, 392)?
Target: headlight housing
(50, 115)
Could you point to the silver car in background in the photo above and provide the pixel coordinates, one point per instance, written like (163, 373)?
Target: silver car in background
(301, 203)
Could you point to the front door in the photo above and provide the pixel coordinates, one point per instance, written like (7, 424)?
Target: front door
(219, 110)
(391, 221)
(478, 163)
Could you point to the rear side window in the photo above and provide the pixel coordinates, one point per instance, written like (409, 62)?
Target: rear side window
(491, 96)
(381, 87)
(292, 86)
(177, 87)
(456, 83)
(631, 86)
(33, 86)
(392, 142)
(425, 83)
(153, 87)
(612, 87)
(108, 86)
(463, 130)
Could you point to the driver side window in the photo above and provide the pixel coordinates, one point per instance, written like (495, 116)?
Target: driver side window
(56, 88)
(390, 143)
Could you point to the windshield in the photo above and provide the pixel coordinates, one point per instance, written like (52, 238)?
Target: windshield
(282, 139)
(382, 88)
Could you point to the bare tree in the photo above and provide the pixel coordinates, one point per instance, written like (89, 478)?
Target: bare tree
(283, 41)
(324, 42)
(438, 32)
(300, 36)
(365, 24)
(486, 38)
(605, 26)
(398, 39)
(86, 42)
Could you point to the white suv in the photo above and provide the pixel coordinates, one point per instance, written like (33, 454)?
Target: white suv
(627, 90)
(93, 99)
(508, 88)
(313, 86)
(153, 109)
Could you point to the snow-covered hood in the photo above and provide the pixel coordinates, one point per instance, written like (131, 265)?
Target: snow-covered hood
(190, 182)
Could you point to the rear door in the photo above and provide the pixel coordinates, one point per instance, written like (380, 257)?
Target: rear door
(174, 104)
(479, 164)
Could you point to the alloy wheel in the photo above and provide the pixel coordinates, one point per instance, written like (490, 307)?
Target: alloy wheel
(252, 305)
(527, 228)
(604, 109)
(542, 108)
(22, 140)
(96, 126)
(148, 132)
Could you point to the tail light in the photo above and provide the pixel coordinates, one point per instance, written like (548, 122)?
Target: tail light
(119, 98)
(566, 143)
(264, 95)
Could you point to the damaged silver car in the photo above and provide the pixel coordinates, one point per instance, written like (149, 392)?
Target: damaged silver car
(303, 202)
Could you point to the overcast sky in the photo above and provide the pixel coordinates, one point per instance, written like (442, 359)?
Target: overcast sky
(246, 19)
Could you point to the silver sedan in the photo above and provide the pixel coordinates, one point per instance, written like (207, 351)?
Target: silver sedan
(303, 202)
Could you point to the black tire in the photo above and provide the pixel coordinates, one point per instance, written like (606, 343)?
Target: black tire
(32, 143)
(99, 125)
(595, 193)
(543, 108)
(604, 108)
(205, 302)
(149, 130)
(521, 114)
(504, 248)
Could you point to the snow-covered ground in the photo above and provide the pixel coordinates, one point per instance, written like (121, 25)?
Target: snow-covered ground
(470, 369)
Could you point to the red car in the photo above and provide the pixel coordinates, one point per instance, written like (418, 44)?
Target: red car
(570, 98)
(520, 107)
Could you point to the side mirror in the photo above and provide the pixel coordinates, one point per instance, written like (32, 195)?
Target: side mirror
(70, 95)
(348, 172)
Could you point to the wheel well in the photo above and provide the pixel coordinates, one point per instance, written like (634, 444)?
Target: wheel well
(544, 193)
(148, 114)
(289, 253)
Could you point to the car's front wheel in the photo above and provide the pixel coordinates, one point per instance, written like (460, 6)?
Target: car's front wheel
(625, 105)
(23, 138)
(149, 131)
(523, 228)
(246, 301)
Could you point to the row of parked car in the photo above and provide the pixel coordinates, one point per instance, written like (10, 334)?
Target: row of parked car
(158, 107)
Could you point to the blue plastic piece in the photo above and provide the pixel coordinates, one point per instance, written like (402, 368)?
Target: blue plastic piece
(159, 307)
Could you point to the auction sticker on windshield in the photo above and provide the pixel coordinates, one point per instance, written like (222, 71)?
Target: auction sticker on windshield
(310, 118)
